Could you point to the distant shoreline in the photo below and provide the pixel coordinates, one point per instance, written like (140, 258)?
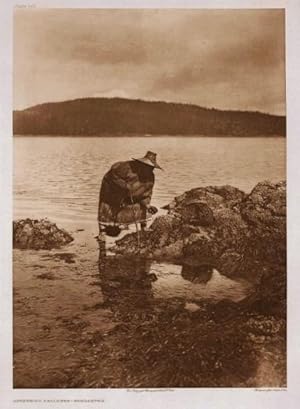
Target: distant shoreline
(102, 117)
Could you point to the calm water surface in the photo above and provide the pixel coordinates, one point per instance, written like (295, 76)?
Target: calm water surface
(59, 178)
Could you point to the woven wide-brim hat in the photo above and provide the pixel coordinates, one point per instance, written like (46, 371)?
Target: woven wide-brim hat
(149, 159)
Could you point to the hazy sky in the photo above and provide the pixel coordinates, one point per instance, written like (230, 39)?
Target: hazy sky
(233, 59)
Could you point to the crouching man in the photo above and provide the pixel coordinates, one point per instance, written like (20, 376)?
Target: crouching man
(126, 192)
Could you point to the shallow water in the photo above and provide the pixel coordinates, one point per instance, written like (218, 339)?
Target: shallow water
(215, 287)
(77, 317)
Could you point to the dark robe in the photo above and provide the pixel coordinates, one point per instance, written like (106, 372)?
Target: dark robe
(125, 193)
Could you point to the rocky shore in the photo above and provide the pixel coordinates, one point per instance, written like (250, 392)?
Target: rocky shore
(239, 234)
(156, 342)
(38, 234)
(222, 344)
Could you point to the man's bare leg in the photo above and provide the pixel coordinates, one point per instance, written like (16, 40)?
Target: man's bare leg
(144, 216)
(102, 241)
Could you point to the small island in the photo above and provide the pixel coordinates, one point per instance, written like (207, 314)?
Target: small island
(129, 117)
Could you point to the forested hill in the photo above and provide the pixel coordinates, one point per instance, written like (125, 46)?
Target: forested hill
(125, 117)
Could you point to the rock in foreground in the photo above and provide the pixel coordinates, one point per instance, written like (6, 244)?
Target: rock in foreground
(218, 225)
(239, 234)
(38, 234)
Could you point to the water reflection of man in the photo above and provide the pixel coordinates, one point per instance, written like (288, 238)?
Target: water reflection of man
(197, 273)
(126, 192)
(126, 282)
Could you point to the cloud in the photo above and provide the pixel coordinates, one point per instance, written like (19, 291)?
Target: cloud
(215, 57)
(227, 57)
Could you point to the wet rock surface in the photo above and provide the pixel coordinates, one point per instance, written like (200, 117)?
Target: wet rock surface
(224, 343)
(239, 234)
(200, 224)
(38, 234)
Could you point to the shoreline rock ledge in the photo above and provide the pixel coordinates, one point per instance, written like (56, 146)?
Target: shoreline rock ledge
(239, 234)
(38, 235)
(216, 223)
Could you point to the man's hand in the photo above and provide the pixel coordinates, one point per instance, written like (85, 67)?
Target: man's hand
(152, 209)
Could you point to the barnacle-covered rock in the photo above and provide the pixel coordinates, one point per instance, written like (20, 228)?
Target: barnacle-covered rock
(38, 234)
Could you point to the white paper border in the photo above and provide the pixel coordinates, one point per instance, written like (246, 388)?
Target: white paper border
(182, 398)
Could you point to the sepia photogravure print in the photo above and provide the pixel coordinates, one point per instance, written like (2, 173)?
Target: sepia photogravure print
(149, 198)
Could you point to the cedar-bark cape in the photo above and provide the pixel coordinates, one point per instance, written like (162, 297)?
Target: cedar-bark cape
(126, 191)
